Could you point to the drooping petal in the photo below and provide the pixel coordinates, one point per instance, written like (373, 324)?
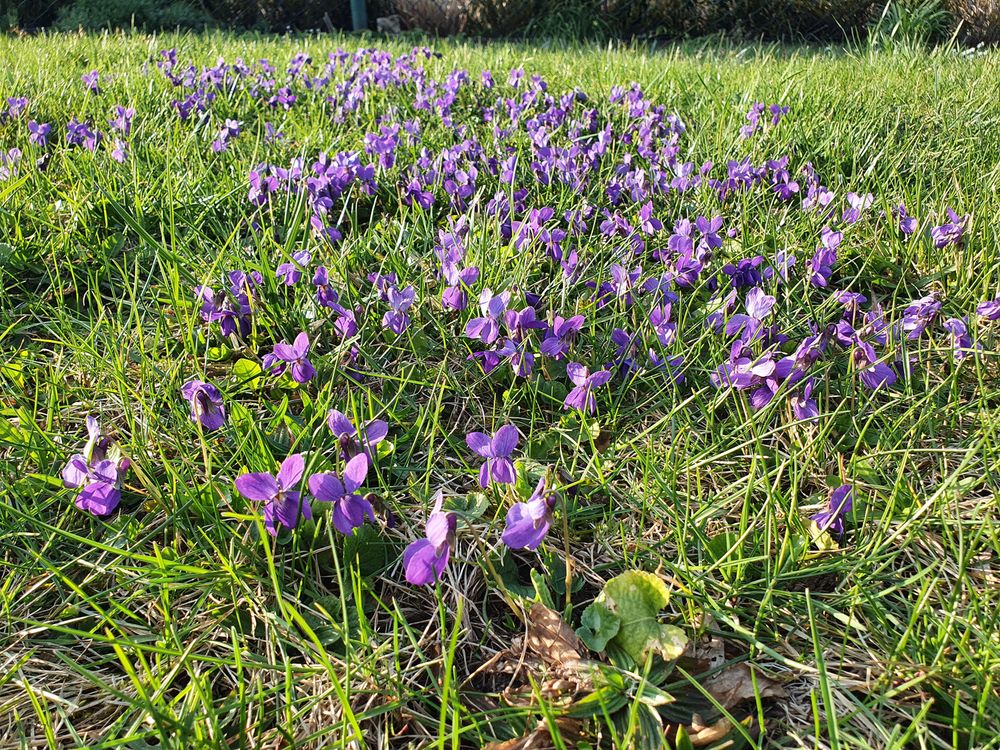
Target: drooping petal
(502, 470)
(99, 498)
(287, 509)
(303, 371)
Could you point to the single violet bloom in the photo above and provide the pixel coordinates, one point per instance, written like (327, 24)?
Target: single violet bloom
(283, 503)
(496, 450)
(961, 340)
(349, 508)
(804, 406)
(751, 326)
(425, 560)
(350, 441)
(949, 233)
(840, 504)
(206, 404)
(293, 356)
(396, 319)
(582, 396)
(560, 336)
(487, 328)
(990, 310)
(290, 272)
(529, 522)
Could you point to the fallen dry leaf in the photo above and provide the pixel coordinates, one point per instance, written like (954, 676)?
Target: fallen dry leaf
(735, 684)
(701, 734)
(539, 738)
(550, 638)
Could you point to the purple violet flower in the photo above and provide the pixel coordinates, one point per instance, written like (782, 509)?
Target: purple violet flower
(98, 476)
(920, 314)
(206, 404)
(949, 233)
(961, 341)
(425, 559)
(990, 310)
(804, 406)
(90, 81)
(349, 508)
(348, 436)
(560, 336)
(840, 504)
(487, 328)
(294, 355)
(496, 450)
(290, 272)
(529, 522)
(39, 133)
(582, 396)
(283, 502)
(396, 319)
(751, 326)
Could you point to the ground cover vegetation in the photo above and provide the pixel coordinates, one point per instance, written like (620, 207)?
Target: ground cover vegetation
(468, 396)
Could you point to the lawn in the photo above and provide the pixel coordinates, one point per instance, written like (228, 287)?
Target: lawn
(606, 405)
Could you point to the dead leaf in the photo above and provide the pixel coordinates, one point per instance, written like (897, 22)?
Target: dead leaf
(551, 638)
(539, 738)
(701, 735)
(735, 684)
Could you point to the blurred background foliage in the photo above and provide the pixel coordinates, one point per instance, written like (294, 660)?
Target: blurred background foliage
(880, 21)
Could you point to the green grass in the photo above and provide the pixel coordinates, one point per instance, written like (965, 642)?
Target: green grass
(178, 622)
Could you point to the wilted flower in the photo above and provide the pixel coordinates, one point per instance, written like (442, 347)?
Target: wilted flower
(498, 467)
(425, 559)
(206, 403)
(349, 508)
(283, 503)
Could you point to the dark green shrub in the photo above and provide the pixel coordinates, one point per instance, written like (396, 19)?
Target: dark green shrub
(117, 14)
